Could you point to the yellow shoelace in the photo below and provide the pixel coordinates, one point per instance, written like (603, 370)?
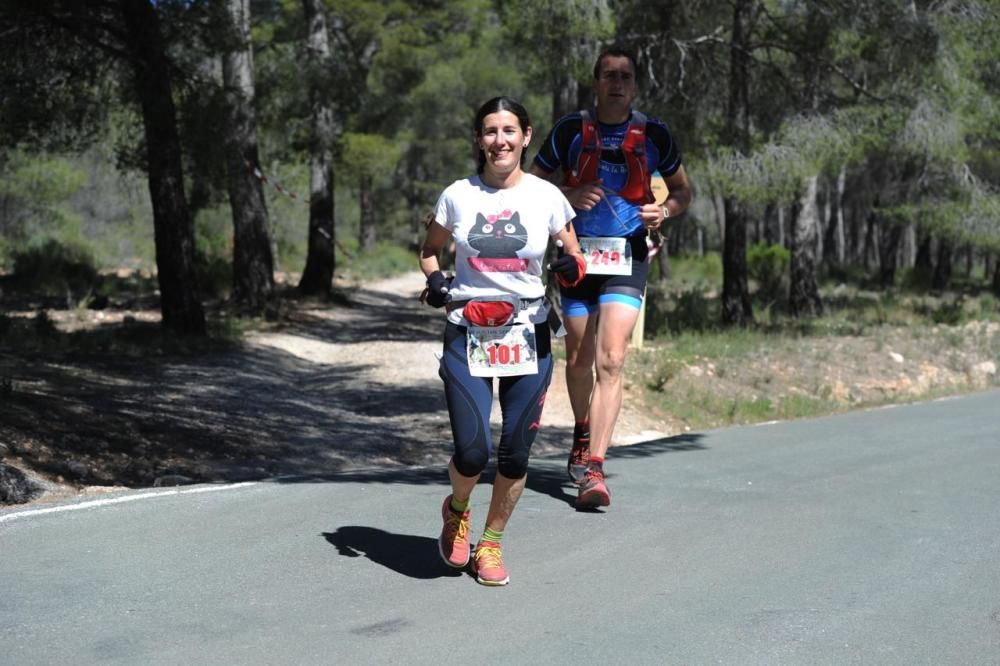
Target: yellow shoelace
(489, 557)
(458, 524)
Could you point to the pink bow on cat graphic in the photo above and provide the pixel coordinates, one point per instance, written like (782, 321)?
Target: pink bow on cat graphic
(505, 215)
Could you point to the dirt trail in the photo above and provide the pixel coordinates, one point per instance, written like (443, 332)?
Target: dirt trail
(390, 361)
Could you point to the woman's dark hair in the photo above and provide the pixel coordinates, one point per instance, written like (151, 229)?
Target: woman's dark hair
(496, 105)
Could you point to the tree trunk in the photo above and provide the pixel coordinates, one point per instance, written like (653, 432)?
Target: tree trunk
(317, 277)
(822, 219)
(996, 278)
(923, 264)
(172, 224)
(568, 94)
(736, 307)
(889, 254)
(859, 239)
(564, 95)
(253, 262)
(804, 299)
(870, 249)
(942, 269)
(833, 252)
(909, 254)
(839, 240)
(719, 205)
(366, 234)
(769, 214)
(738, 107)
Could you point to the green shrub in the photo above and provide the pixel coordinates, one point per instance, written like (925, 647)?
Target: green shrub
(665, 369)
(36, 190)
(214, 274)
(385, 260)
(657, 309)
(751, 410)
(291, 253)
(213, 231)
(54, 268)
(803, 406)
(917, 278)
(987, 307)
(948, 310)
(768, 265)
(693, 269)
(690, 310)
(950, 313)
(693, 312)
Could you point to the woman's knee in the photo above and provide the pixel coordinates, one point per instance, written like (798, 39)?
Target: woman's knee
(513, 465)
(470, 461)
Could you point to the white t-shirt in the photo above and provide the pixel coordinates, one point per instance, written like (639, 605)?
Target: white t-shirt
(501, 237)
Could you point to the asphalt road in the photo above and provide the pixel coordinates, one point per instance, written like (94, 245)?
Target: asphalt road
(866, 538)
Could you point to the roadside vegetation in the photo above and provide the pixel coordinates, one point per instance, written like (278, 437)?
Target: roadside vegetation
(870, 347)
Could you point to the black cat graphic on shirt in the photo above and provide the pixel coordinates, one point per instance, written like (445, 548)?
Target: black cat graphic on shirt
(498, 242)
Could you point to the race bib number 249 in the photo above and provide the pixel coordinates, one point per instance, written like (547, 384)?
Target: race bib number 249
(606, 256)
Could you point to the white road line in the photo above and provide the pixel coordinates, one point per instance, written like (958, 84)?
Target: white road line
(119, 500)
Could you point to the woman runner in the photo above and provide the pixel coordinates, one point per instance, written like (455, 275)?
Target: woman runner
(501, 220)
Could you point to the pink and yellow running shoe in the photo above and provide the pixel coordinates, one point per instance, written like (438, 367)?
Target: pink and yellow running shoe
(488, 564)
(453, 544)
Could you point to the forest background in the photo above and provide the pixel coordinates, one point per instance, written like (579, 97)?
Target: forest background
(856, 135)
(222, 158)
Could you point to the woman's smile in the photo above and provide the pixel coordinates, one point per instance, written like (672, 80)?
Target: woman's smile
(503, 140)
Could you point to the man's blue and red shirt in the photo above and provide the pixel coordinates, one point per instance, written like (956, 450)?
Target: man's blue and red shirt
(613, 216)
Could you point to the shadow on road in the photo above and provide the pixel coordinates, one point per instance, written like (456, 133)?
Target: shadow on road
(412, 556)
(551, 479)
(417, 556)
(546, 473)
(686, 442)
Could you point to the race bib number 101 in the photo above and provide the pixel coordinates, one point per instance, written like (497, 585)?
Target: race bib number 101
(606, 256)
(502, 351)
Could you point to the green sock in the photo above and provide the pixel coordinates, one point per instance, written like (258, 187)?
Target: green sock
(460, 507)
(491, 535)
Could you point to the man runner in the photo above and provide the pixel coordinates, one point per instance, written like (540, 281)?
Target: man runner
(603, 160)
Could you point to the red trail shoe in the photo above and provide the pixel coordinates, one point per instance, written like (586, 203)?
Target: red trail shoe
(579, 455)
(593, 491)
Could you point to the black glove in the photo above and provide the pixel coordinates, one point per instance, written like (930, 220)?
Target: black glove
(438, 287)
(569, 269)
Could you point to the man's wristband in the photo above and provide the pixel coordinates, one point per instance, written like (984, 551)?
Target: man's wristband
(665, 210)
